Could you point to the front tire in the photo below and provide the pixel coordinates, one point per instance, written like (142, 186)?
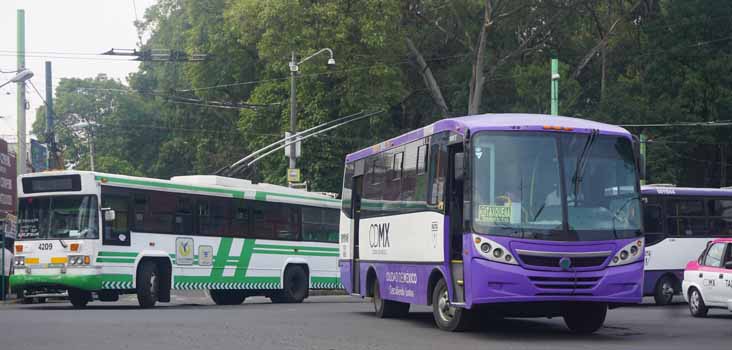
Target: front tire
(387, 308)
(664, 292)
(448, 318)
(585, 318)
(697, 307)
(148, 284)
(227, 297)
(295, 286)
(79, 298)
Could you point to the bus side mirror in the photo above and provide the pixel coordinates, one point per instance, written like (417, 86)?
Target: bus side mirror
(109, 215)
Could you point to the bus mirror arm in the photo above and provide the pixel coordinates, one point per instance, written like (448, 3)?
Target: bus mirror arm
(109, 214)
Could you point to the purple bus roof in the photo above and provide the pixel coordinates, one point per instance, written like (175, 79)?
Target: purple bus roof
(475, 123)
(686, 191)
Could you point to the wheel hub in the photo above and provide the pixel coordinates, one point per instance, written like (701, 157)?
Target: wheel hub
(447, 312)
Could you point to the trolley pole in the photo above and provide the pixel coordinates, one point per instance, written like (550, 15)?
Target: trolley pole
(555, 87)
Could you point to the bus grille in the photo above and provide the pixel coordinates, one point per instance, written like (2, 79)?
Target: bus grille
(553, 261)
(563, 284)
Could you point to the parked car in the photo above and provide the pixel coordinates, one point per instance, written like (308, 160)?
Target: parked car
(708, 280)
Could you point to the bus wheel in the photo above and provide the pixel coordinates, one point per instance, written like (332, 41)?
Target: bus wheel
(447, 317)
(148, 284)
(584, 318)
(227, 297)
(295, 286)
(696, 304)
(388, 308)
(664, 292)
(79, 298)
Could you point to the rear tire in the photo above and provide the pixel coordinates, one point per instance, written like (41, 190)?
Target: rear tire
(664, 292)
(697, 307)
(584, 318)
(227, 297)
(449, 318)
(79, 298)
(148, 284)
(387, 308)
(295, 286)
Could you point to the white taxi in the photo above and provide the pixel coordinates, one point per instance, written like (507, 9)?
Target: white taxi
(708, 280)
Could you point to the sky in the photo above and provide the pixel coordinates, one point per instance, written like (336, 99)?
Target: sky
(69, 33)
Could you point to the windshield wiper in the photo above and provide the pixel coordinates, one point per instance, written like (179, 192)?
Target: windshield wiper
(581, 162)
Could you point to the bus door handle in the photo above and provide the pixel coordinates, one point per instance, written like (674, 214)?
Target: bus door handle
(701, 275)
(721, 276)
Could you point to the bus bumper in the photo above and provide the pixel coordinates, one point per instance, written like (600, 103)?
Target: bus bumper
(84, 282)
(74, 278)
(502, 283)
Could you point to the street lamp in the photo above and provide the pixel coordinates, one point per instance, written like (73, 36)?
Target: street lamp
(89, 128)
(294, 68)
(22, 76)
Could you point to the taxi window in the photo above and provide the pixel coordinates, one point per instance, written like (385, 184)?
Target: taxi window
(715, 255)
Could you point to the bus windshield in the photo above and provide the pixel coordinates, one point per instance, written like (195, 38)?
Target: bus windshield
(518, 189)
(66, 217)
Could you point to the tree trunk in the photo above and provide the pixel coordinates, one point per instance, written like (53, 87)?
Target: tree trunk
(429, 79)
(478, 78)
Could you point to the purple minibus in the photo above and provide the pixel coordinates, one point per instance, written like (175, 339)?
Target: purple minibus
(496, 215)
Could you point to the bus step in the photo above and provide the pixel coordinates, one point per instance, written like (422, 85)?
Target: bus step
(458, 282)
(460, 305)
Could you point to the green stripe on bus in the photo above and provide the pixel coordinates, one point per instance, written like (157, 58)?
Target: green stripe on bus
(283, 252)
(333, 280)
(237, 194)
(204, 279)
(245, 257)
(124, 254)
(277, 246)
(221, 255)
(259, 195)
(116, 260)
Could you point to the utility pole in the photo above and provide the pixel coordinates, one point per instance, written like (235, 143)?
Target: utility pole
(555, 86)
(50, 135)
(21, 94)
(293, 174)
(293, 110)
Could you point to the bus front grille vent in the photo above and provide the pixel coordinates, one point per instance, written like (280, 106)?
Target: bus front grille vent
(553, 261)
(563, 284)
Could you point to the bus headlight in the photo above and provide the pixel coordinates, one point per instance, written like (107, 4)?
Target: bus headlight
(76, 260)
(628, 254)
(493, 251)
(19, 261)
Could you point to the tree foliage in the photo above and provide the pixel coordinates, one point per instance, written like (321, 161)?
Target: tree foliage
(622, 62)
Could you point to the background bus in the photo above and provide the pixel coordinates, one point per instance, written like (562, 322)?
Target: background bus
(679, 222)
(526, 215)
(104, 234)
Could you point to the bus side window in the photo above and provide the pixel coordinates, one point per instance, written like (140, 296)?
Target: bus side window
(116, 232)
(438, 164)
(184, 216)
(653, 223)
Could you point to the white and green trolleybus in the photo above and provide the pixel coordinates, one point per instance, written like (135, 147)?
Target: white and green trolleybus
(103, 235)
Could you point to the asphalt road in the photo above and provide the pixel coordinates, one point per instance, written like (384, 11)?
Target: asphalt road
(191, 321)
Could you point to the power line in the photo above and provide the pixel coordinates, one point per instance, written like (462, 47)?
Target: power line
(663, 125)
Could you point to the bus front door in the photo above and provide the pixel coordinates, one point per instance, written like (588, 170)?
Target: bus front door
(456, 176)
(356, 214)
